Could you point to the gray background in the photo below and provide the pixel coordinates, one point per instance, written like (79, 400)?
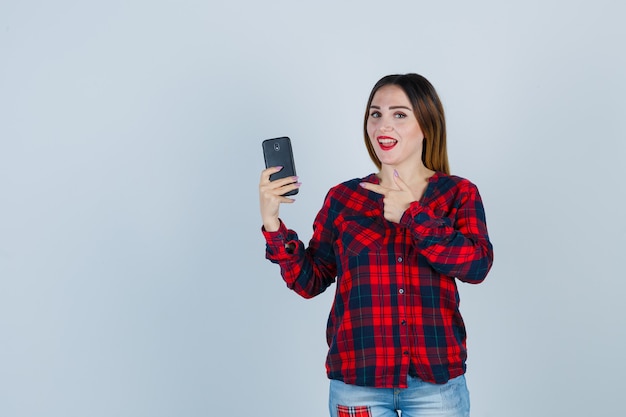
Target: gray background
(132, 272)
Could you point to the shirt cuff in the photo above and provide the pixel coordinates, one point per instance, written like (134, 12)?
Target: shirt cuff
(281, 244)
(278, 237)
(416, 213)
(424, 221)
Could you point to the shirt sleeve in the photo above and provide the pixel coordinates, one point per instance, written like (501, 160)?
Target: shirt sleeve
(456, 246)
(308, 271)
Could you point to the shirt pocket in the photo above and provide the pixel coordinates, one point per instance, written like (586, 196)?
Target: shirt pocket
(362, 235)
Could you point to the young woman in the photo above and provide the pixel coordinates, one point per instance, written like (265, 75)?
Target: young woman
(395, 242)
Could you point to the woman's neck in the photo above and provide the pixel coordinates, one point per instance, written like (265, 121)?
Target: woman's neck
(415, 175)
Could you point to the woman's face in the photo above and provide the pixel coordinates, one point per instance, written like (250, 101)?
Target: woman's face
(393, 129)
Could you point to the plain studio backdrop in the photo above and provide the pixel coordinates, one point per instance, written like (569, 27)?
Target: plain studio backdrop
(132, 272)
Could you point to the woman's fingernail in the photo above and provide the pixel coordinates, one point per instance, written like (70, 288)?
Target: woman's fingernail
(362, 184)
(395, 173)
(279, 167)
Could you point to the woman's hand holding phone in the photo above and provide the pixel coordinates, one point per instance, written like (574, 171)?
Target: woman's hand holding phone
(271, 195)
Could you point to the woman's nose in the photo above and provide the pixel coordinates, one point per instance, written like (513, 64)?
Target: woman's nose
(386, 125)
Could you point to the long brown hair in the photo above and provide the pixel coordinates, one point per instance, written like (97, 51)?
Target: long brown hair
(429, 113)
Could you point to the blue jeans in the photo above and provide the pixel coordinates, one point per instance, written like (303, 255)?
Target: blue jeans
(419, 399)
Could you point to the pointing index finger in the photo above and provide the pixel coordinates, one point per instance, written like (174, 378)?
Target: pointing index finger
(378, 189)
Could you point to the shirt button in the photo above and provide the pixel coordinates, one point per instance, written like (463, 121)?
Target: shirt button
(403, 322)
(400, 259)
(406, 352)
(401, 290)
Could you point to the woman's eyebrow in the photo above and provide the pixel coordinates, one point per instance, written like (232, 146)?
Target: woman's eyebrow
(392, 107)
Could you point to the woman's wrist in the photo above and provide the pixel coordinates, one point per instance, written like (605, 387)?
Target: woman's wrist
(271, 225)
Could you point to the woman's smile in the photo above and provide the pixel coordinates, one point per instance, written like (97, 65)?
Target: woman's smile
(386, 143)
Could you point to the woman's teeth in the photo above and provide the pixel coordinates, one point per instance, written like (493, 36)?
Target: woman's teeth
(387, 141)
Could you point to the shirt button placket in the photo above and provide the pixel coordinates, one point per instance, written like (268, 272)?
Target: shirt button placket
(403, 323)
(400, 259)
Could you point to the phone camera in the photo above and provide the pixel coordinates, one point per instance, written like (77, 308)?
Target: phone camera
(277, 146)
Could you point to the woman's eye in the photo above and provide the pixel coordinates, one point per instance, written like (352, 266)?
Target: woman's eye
(400, 115)
(375, 114)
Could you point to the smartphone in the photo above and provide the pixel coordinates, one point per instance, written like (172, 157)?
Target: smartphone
(278, 152)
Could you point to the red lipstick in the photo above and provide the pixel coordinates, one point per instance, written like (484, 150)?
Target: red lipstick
(386, 143)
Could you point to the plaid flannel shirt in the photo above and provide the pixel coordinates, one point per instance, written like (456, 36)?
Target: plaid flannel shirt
(396, 306)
